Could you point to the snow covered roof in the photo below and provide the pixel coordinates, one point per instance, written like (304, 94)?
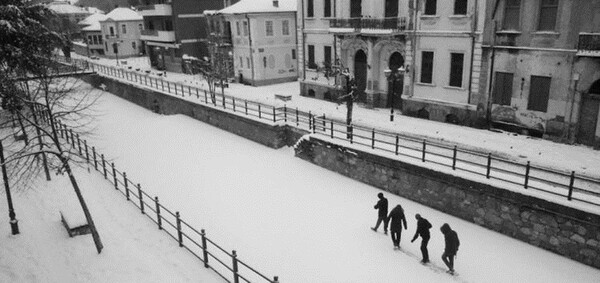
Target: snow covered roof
(123, 14)
(92, 20)
(66, 8)
(260, 6)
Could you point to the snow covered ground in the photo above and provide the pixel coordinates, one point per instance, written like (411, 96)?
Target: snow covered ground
(290, 218)
(134, 249)
(581, 159)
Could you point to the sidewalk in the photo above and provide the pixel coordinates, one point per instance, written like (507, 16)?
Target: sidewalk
(581, 159)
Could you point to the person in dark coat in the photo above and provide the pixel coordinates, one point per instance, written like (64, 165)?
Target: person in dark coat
(451, 249)
(423, 227)
(397, 218)
(382, 207)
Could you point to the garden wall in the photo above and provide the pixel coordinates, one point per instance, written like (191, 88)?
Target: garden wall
(563, 230)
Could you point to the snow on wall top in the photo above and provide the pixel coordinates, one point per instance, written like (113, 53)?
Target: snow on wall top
(260, 6)
(66, 8)
(123, 14)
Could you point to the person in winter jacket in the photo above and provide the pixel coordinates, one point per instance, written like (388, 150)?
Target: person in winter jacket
(452, 244)
(397, 218)
(382, 207)
(423, 227)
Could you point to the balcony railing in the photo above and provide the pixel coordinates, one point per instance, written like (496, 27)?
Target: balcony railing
(393, 24)
(158, 35)
(589, 44)
(155, 10)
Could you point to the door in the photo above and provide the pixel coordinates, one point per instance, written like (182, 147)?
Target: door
(588, 118)
(360, 71)
(395, 82)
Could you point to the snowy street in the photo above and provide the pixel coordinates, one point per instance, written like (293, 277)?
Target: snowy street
(289, 218)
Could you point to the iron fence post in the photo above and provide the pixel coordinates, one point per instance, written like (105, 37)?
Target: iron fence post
(397, 142)
(204, 248)
(571, 185)
(158, 218)
(373, 139)
(259, 112)
(233, 103)
(349, 134)
(297, 121)
(274, 116)
(79, 144)
(275, 279)
(139, 187)
(95, 159)
(489, 165)
(236, 277)
(126, 185)
(246, 106)
(285, 113)
(454, 158)
(331, 127)
(103, 165)
(527, 168)
(424, 149)
(179, 234)
(114, 173)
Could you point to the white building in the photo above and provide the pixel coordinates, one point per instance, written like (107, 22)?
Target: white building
(92, 34)
(121, 31)
(264, 40)
(431, 44)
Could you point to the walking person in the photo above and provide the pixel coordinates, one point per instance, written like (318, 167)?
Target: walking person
(396, 219)
(423, 227)
(382, 207)
(452, 243)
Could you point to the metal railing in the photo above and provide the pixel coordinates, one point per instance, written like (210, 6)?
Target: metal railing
(395, 23)
(557, 183)
(226, 264)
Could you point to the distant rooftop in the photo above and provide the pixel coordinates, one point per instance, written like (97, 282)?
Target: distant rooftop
(61, 7)
(92, 22)
(123, 14)
(260, 6)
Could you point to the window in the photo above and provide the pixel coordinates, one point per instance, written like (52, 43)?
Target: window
(502, 88)
(269, 27)
(355, 8)
(311, 57)
(285, 27)
(430, 7)
(112, 31)
(100, 39)
(294, 54)
(141, 27)
(456, 69)
(133, 45)
(90, 39)
(124, 28)
(248, 62)
(538, 93)
(241, 62)
(512, 15)
(548, 11)
(265, 62)
(460, 7)
(327, 54)
(310, 9)
(245, 28)
(327, 8)
(391, 8)
(427, 67)
(237, 28)
(105, 46)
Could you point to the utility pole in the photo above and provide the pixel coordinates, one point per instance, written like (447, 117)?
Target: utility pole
(14, 223)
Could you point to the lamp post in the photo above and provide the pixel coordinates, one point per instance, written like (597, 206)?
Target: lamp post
(116, 49)
(14, 223)
(393, 75)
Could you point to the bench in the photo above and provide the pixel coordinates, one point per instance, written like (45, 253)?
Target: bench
(284, 97)
(74, 222)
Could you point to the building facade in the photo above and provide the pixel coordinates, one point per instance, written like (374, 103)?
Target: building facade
(220, 44)
(431, 51)
(264, 40)
(544, 62)
(91, 31)
(174, 28)
(122, 31)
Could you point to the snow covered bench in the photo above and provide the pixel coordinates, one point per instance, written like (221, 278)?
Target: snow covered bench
(74, 221)
(284, 97)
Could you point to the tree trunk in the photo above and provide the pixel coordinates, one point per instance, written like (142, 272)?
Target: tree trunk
(86, 211)
(40, 141)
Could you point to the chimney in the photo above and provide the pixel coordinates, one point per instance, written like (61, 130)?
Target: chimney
(276, 3)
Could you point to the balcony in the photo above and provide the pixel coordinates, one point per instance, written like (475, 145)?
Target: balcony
(368, 25)
(158, 35)
(155, 10)
(588, 45)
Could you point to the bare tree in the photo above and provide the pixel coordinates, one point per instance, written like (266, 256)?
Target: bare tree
(34, 92)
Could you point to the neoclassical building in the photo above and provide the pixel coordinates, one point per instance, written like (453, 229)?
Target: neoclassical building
(433, 46)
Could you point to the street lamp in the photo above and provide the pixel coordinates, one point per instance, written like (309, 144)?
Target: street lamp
(116, 49)
(393, 75)
(14, 226)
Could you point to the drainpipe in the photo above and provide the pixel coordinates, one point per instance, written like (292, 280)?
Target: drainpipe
(473, 30)
(414, 48)
(303, 44)
(251, 53)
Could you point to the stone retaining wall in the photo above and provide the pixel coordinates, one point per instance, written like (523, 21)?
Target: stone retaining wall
(274, 136)
(563, 230)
